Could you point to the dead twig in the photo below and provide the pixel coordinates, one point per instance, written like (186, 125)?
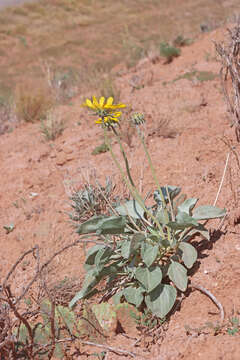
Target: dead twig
(111, 348)
(230, 57)
(212, 297)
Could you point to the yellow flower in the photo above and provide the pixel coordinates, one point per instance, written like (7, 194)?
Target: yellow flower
(101, 105)
(109, 119)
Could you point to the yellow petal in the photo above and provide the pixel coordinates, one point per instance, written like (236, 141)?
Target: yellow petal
(109, 101)
(98, 121)
(95, 102)
(101, 101)
(117, 114)
(89, 104)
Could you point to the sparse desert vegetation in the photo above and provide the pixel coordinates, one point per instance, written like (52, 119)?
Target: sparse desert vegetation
(119, 225)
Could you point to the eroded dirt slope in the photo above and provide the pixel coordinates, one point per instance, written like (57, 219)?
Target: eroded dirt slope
(37, 177)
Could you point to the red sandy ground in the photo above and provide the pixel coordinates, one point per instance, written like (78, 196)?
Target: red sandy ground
(194, 160)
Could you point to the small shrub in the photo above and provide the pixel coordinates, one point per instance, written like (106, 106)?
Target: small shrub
(169, 52)
(100, 149)
(53, 126)
(32, 102)
(181, 41)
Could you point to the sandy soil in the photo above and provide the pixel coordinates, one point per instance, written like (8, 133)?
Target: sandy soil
(37, 177)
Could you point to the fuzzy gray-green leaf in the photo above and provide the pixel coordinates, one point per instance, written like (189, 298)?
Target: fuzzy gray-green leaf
(178, 274)
(149, 253)
(189, 254)
(133, 296)
(206, 212)
(187, 205)
(161, 300)
(149, 277)
(131, 208)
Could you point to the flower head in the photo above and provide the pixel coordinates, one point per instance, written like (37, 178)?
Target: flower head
(105, 109)
(102, 105)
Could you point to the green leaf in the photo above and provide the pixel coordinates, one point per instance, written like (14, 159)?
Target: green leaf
(131, 208)
(103, 225)
(117, 297)
(161, 216)
(148, 253)
(199, 230)
(126, 249)
(113, 225)
(102, 257)
(136, 241)
(91, 225)
(187, 206)
(91, 280)
(150, 278)
(183, 221)
(178, 274)
(133, 296)
(189, 254)
(91, 254)
(161, 300)
(206, 212)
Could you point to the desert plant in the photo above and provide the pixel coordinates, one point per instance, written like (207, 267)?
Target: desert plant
(32, 102)
(53, 125)
(91, 200)
(230, 56)
(145, 251)
(169, 52)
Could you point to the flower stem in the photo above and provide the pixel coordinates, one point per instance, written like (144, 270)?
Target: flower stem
(128, 179)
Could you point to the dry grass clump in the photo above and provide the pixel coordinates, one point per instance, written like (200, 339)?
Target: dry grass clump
(230, 70)
(32, 101)
(53, 126)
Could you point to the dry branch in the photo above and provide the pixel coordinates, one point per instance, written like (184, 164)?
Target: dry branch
(230, 57)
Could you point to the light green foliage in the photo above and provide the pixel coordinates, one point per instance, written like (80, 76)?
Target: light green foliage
(141, 261)
(100, 149)
(198, 75)
(169, 52)
(234, 327)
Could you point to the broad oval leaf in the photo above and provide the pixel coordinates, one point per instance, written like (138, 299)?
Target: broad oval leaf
(133, 296)
(161, 300)
(149, 253)
(126, 249)
(189, 254)
(178, 274)
(90, 226)
(131, 208)
(205, 212)
(112, 225)
(187, 205)
(103, 225)
(150, 278)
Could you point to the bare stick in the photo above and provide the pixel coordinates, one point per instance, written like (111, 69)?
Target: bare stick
(110, 348)
(223, 176)
(212, 297)
(17, 263)
(77, 242)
